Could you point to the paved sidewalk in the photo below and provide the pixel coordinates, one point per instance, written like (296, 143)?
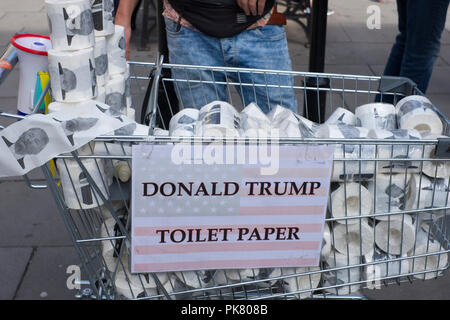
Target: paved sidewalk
(35, 247)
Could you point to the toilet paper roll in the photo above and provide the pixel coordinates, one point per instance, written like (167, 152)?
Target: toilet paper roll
(395, 236)
(252, 117)
(403, 151)
(72, 75)
(390, 193)
(196, 279)
(78, 193)
(122, 170)
(416, 112)
(376, 116)
(302, 282)
(383, 267)
(160, 132)
(184, 122)
(131, 113)
(326, 242)
(60, 106)
(430, 263)
(240, 275)
(341, 277)
(218, 118)
(434, 169)
(101, 95)
(341, 115)
(427, 193)
(345, 169)
(87, 149)
(351, 200)
(130, 290)
(307, 127)
(101, 61)
(102, 13)
(115, 93)
(117, 63)
(274, 112)
(289, 129)
(71, 24)
(353, 240)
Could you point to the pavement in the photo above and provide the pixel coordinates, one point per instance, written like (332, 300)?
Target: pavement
(35, 247)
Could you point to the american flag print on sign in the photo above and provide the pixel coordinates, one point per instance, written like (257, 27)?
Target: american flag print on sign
(199, 215)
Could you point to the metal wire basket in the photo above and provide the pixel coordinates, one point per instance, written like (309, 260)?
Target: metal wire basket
(99, 221)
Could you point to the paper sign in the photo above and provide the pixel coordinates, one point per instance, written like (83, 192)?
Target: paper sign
(224, 207)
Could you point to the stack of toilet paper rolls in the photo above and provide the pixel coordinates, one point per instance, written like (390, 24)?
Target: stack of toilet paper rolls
(118, 84)
(116, 260)
(78, 68)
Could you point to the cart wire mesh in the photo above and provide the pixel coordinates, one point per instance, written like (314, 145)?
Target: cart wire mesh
(99, 220)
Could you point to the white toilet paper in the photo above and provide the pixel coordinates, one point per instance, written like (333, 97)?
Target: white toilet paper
(101, 61)
(184, 122)
(427, 193)
(416, 112)
(160, 132)
(341, 277)
(384, 267)
(131, 113)
(78, 193)
(252, 117)
(196, 279)
(376, 116)
(285, 121)
(240, 275)
(396, 236)
(353, 240)
(71, 24)
(117, 63)
(101, 95)
(115, 93)
(60, 106)
(434, 169)
(351, 200)
(428, 263)
(102, 12)
(218, 119)
(122, 170)
(72, 75)
(345, 169)
(307, 127)
(302, 282)
(274, 114)
(399, 151)
(389, 193)
(326, 242)
(342, 115)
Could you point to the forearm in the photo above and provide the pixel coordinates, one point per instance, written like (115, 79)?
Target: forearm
(125, 11)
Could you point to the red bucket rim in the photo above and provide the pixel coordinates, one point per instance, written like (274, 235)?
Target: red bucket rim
(23, 35)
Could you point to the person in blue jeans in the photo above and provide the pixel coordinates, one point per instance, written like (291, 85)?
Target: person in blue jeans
(257, 47)
(417, 46)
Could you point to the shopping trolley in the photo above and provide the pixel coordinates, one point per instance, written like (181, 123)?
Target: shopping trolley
(101, 231)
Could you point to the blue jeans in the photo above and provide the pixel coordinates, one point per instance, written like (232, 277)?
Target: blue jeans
(417, 46)
(260, 48)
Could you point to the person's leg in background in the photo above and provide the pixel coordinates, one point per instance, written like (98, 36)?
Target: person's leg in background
(265, 48)
(425, 23)
(421, 23)
(190, 47)
(394, 63)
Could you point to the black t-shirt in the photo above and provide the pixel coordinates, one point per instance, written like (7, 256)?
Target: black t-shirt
(217, 18)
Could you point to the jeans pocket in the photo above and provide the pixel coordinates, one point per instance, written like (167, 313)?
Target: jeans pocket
(270, 32)
(172, 27)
